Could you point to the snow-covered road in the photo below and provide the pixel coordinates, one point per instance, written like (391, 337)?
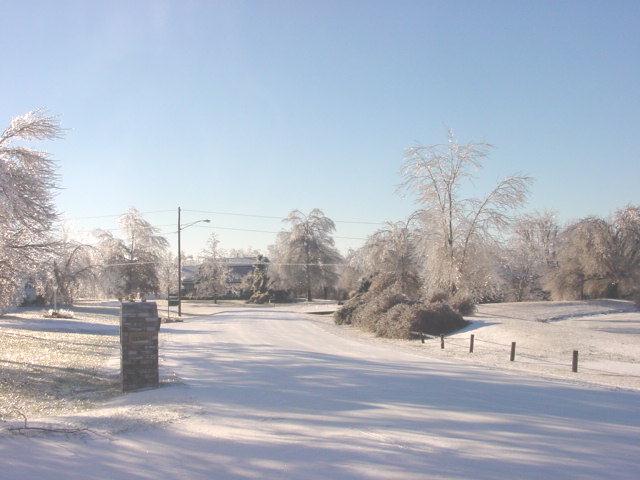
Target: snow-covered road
(267, 394)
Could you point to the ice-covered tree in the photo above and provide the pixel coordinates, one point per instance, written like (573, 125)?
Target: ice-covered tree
(529, 256)
(70, 269)
(168, 273)
(599, 257)
(393, 251)
(625, 227)
(307, 253)
(353, 271)
(258, 281)
(27, 213)
(211, 279)
(130, 263)
(456, 228)
(247, 252)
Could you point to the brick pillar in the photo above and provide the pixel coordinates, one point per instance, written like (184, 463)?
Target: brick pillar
(139, 326)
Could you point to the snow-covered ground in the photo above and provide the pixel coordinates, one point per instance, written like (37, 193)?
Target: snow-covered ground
(265, 393)
(606, 334)
(54, 365)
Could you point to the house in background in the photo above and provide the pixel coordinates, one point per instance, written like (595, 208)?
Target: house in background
(237, 269)
(188, 279)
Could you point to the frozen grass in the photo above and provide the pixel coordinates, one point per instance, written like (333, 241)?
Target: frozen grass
(54, 366)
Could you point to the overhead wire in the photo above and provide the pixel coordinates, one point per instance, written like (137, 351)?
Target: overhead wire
(148, 212)
(275, 217)
(265, 231)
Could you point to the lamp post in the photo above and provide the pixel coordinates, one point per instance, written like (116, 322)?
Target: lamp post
(180, 228)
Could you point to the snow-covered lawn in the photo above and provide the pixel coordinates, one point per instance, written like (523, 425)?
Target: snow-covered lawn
(606, 334)
(49, 366)
(264, 393)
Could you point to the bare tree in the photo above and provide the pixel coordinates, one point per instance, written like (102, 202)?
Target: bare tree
(27, 213)
(308, 252)
(455, 226)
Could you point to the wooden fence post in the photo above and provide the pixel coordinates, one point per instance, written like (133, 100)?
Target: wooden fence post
(574, 364)
(471, 344)
(441, 341)
(513, 351)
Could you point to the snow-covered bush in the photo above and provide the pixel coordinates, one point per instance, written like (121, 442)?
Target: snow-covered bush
(463, 303)
(60, 313)
(397, 322)
(436, 319)
(383, 310)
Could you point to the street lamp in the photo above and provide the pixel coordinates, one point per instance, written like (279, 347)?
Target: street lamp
(180, 228)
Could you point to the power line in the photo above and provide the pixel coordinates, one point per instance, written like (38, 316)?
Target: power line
(274, 217)
(117, 215)
(266, 231)
(115, 229)
(173, 232)
(133, 263)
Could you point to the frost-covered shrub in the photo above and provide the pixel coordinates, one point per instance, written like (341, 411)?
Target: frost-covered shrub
(437, 319)
(387, 313)
(397, 322)
(464, 304)
(439, 296)
(61, 313)
(405, 320)
(343, 315)
(281, 296)
(373, 309)
(259, 298)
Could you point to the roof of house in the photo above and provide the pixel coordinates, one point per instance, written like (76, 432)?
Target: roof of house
(238, 266)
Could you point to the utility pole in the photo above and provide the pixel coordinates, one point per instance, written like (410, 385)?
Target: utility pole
(180, 228)
(179, 269)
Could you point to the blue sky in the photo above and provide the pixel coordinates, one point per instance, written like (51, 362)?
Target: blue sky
(263, 107)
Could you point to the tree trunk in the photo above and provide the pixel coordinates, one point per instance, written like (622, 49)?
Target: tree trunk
(308, 271)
